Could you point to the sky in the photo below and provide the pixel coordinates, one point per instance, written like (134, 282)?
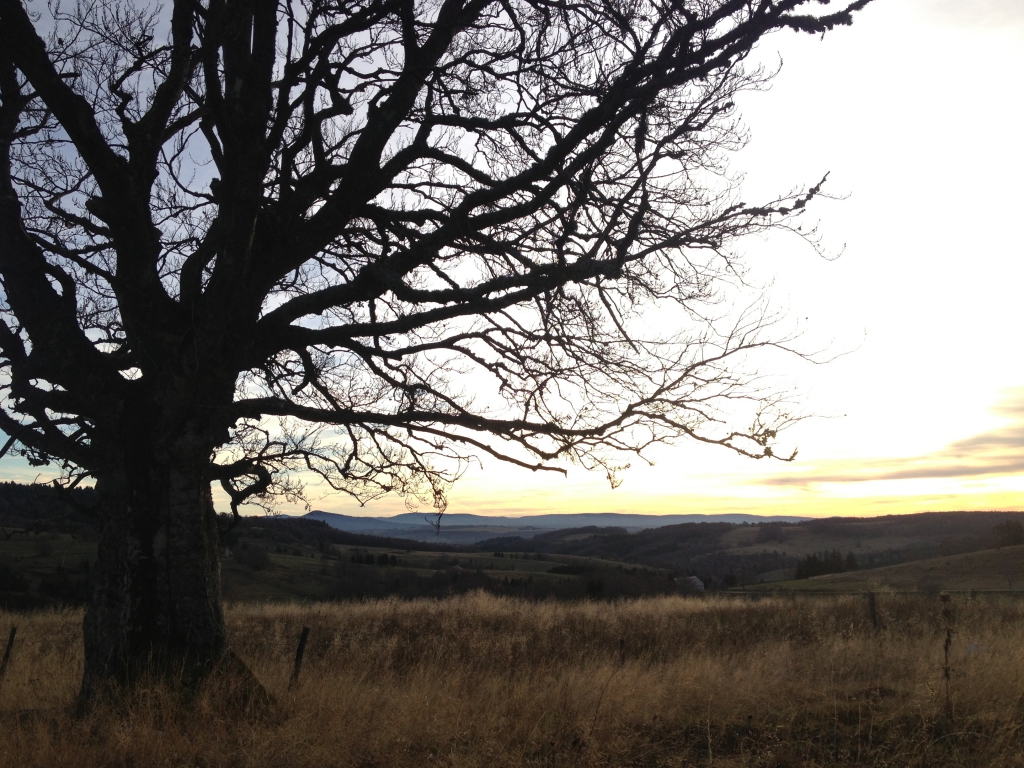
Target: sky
(915, 111)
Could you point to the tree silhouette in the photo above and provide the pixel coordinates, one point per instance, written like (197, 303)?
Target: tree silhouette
(368, 240)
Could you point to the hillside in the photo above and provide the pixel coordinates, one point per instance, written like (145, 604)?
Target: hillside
(987, 570)
(723, 553)
(40, 508)
(462, 528)
(287, 559)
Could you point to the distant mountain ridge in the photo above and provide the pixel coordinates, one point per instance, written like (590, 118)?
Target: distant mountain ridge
(464, 527)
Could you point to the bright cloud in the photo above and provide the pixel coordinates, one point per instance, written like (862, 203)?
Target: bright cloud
(995, 452)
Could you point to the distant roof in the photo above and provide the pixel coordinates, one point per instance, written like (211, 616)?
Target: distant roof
(690, 582)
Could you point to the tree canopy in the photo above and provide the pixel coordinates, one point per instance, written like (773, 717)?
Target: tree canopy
(371, 237)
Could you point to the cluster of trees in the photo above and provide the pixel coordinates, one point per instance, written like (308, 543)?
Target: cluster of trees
(828, 562)
(1009, 533)
(515, 539)
(66, 585)
(368, 558)
(253, 555)
(32, 509)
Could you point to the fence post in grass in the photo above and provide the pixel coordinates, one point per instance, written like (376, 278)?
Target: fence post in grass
(7, 655)
(298, 657)
(872, 611)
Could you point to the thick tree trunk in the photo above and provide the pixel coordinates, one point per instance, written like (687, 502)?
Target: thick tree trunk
(157, 604)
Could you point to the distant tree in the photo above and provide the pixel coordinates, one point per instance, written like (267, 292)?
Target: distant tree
(808, 567)
(368, 240)
(1009, 533)
(253, 555)
(828, 562)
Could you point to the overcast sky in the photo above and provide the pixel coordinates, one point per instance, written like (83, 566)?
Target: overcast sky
(916, 112)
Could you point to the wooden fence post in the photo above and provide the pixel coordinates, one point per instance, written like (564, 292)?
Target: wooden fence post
(299, 652)
(872, 611)
(7, 655)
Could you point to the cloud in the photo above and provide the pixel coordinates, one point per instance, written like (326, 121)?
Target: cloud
(999, 451)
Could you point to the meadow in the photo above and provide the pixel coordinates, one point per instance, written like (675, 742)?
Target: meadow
(489, 681)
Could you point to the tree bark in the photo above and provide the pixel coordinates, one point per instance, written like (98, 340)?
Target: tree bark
(156, 608)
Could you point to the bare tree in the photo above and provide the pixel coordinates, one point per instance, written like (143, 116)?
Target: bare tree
(368, 240)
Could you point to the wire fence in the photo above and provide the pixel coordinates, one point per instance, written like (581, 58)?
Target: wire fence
(45, 650)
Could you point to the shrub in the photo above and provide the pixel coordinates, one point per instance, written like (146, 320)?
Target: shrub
(254, 556)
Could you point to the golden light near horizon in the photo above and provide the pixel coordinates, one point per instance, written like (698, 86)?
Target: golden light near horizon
(913, 111)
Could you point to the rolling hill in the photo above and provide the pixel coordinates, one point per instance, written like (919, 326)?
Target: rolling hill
(987, 570)
(462, 528)
(723, 551)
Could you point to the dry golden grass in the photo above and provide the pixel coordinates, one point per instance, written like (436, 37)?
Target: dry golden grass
(487, 682)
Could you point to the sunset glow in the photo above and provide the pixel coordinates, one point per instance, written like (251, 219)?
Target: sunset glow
(926, 411)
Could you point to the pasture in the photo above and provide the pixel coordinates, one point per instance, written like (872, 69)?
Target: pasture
(486, 681)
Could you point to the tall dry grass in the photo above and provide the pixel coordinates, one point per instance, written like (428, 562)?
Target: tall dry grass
(487, 682)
